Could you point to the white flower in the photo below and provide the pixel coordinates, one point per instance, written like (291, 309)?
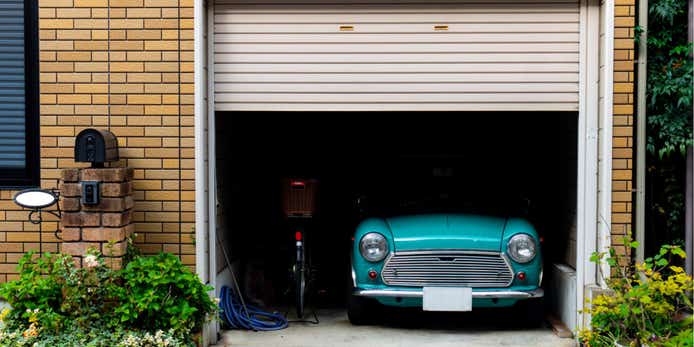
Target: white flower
(91, 261)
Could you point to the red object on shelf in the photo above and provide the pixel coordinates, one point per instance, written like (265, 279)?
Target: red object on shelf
(299, 197)
(298, 184)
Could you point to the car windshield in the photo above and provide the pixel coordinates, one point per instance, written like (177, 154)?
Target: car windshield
(436, 185)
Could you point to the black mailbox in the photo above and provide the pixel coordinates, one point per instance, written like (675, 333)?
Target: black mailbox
(96, 146)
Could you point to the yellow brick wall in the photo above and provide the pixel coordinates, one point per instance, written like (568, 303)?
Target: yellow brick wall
(623, 132)
(147, 46)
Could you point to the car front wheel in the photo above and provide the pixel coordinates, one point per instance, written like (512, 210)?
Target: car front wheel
(361, 311)
(534, 311)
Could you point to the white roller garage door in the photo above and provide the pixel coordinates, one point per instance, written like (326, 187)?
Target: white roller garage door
(502, 55)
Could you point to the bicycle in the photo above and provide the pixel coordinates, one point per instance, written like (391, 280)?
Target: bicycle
(300, 273)
(299, 207)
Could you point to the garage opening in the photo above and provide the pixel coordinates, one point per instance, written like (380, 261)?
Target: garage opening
(501, 163)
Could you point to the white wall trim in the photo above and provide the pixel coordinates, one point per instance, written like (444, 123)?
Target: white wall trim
(201, 146)
(607, 78)
(587, 185)
(212, 161)
(581, 159)
(588, 211)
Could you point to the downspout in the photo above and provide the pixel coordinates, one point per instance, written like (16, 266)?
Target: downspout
(211, 164)
(606, 141)
(201, 204)
(641, 73)
(200, 169)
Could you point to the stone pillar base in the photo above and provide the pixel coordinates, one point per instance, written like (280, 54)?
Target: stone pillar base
(106, 226)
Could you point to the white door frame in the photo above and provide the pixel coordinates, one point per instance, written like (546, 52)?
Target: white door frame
(594, 189)
(205, 154)
(594, 175)
(586, 209)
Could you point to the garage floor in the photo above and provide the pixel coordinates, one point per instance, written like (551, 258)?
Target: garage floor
(404, 328)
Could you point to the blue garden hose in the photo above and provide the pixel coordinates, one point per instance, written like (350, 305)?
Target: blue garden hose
(238, 315)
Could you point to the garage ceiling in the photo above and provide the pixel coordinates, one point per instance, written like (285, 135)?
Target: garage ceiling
(496, 55)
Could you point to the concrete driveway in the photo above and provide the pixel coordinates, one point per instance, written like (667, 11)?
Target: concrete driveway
(405, 328)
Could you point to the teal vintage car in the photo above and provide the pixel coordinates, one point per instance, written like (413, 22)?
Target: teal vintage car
(445, 262)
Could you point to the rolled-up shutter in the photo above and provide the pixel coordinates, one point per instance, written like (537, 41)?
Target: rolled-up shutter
(12, 85)
(498, 55)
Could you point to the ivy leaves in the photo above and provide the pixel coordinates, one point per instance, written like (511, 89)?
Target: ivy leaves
(669, 84)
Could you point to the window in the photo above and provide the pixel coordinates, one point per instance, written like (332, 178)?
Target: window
(19, 106)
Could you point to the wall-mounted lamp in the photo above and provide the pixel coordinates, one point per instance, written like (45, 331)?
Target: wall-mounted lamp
(37, 200)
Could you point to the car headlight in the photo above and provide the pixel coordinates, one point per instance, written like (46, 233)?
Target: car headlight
(373, 247)
(522, 248)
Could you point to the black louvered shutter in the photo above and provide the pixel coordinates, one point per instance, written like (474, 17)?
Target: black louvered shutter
(12, 85)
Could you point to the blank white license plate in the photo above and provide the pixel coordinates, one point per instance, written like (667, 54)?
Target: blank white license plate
(447, 299)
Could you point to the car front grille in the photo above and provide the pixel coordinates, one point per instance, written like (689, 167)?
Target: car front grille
(473, 269)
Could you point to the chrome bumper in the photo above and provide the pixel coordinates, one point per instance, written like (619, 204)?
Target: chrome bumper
(417, 293)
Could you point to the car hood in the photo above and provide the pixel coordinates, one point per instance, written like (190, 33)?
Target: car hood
(447, 231)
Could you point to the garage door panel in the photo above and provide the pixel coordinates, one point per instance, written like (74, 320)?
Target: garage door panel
(400, 48)
(417, 28)
(395, 58)
(401, 18)
(227, 80)
(228, 72)
(396, 88)
(491, 3)
(344, 107)
(429, 7)
(476, 55)
(298, 97)
(439, 37)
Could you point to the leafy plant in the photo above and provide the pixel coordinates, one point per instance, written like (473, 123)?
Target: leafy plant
(646, 303)
(160, 292)
(669, 80)
(152, 300)
(669, 117)
(94, 338)
(38, 290)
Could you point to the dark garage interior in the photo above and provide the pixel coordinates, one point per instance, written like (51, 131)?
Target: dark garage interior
(511, 163)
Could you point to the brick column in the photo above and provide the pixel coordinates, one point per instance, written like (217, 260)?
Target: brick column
(105, 227)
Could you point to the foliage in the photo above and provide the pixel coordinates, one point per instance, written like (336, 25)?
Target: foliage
(666, 202)
(669, 115)
(645, 304)
(669, 81)
(52, 291)
(38, 290)
(160, 292)
(54, 302)
(93, 338)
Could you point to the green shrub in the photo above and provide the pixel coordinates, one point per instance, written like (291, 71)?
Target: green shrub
(53, 291)
(646, 303)
(161, 293)
(55, 303)
(94, 338)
